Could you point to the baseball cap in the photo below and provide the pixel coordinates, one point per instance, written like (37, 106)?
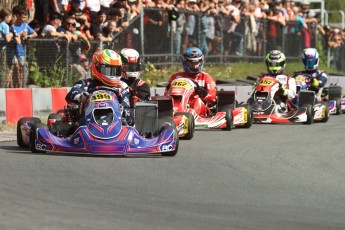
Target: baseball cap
(305, 3)
(194, 1)
(77, 1)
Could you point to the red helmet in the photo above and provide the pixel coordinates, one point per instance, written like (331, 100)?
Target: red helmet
(106, 67)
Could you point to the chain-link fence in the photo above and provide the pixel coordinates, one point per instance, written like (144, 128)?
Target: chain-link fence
(161, 42)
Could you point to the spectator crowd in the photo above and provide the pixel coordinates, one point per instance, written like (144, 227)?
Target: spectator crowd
(217, 27)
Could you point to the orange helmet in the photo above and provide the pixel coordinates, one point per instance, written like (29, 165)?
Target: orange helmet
(106, 67)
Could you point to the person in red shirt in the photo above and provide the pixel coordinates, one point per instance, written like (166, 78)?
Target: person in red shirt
(205, 90)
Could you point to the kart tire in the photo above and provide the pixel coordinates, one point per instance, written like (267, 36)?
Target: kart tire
(310, 114)
(250, 117)
(33, 136)
(174, 152)
(190, 125)
(21, 121)
(327, 113)
(228, 116)
(337, 106)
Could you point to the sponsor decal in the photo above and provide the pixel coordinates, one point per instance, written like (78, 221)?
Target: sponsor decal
(185, 124)
(76, 140)
(166, 147)
(40, 146)
(136, 141)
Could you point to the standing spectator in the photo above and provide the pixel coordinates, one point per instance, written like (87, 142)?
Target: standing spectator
(275, 23)
(18, 58)
(94, 6)
(251, 30)
(50, 30)
(109, 31)
(180, 23)
(5, 18)
(232, 39)
(188, 40)
(97, 27)
(154, 31)
(295, 35)
(134, 8)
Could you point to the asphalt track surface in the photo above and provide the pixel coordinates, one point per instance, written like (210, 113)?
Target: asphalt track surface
(267, 177)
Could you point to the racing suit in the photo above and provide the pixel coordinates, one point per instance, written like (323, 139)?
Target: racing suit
(286, 96)
(83, 86)
(139, 90)
(318, 80)
(206, 90)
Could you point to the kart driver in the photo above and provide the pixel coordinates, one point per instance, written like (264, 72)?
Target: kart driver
(131, 67)
(206, 91)
(105, 71)
(310, 59)
(275, 63)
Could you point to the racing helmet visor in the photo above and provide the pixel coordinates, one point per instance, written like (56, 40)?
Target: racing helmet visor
(131, 67)
(194, 63)
(109, 70)
(310, 63)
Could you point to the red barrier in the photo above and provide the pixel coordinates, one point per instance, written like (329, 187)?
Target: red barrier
(18, 104)
(58, 98)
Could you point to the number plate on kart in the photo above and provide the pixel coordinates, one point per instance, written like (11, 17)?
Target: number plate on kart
(266, 82)
(300, 78)
(101, 97)
(183, 84)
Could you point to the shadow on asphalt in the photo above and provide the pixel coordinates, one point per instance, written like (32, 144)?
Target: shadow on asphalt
(17, 150)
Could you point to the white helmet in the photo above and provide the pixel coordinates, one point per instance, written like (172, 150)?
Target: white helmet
(131, 63)
(310, 58)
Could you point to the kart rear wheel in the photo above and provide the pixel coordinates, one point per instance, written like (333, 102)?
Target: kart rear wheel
(310, 114)
(249, 116)
(22, 121)
(190, 125)
(33, 137)
(326, 112)
(228, 116)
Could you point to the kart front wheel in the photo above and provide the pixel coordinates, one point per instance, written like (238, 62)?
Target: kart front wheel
(33, 137)
(190, 125)
(25, 121)
(249, 116)
(325, 111)
(228, 116)
(310, 114)
(176, 138)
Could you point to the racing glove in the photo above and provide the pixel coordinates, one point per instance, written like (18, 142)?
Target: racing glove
(315, 83)
(82, 97)
(202, 92)
(283, 90)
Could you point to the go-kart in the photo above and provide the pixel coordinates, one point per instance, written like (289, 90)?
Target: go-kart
(320, 104)
(224, 115)
(266, 108)
(101, 129)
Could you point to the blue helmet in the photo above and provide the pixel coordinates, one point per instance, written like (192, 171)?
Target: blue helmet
(310, 58)
(193, 60)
